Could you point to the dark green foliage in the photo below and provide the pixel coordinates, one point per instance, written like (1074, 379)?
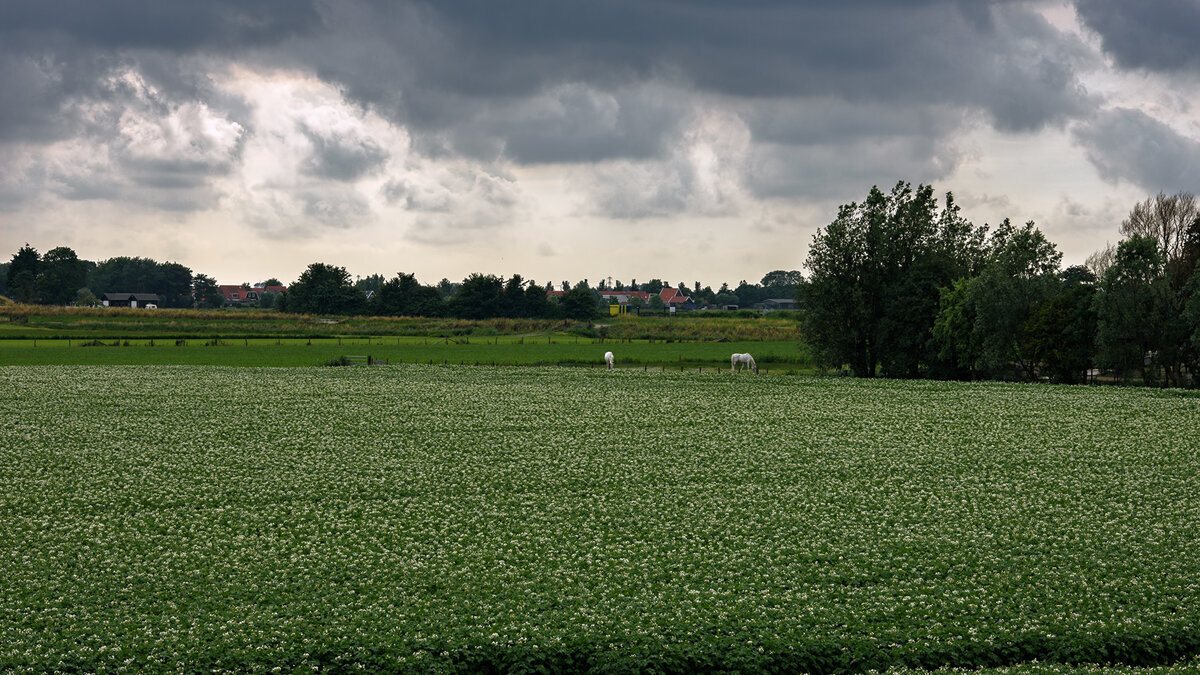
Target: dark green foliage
(62, 275)
(171, 281)
(479, 297)
(23, 270)
(1061, 333)
(579, 303)
(402, 295)
(983, 324)
(323, 289)
(1129, 307)
(206, 293)
(870, 298)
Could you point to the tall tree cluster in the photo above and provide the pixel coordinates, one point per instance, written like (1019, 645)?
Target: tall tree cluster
(904, 287)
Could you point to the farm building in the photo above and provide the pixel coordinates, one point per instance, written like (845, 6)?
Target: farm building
(772, 304)
(144, 300)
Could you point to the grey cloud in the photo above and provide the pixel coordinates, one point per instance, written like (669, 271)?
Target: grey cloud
(59, 53)
(1150, 34)
(823, 171)
(813, 147)
(451, 204)
(538, 83)
(175, 25)
(573, 121)
(1127, 144)
(341, 157)
(334, 207)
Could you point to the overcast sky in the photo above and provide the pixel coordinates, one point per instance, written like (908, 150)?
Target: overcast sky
(690, 140)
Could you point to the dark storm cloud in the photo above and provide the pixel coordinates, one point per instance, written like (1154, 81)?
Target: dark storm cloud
(169, 25)
(59, 52)
(562, 81)
(916, 52)
(1151, 34)
(825, 91)
(1127, 144)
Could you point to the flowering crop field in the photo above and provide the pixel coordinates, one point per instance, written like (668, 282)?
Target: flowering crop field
(446, 518)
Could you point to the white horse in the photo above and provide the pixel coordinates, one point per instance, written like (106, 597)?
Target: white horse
(608, 358)
(744, 360)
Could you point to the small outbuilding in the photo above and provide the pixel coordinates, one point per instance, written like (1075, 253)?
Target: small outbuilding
(134, 300)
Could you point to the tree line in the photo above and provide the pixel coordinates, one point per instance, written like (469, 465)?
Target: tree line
(60, 277)
(902, 285)
(328, 289)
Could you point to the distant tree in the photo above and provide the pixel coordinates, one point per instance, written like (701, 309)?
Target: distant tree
(1099, 261)
(854, 264)
(724, 299)
(271, 282)
(4, 278)
(403, 296)
(1128, 306)
(206, 293)
(1061, 333)
(173, 284)
(269, 299)
(513, 298)
(61, 276)
(323, 289)
(654, 286)
(1167, 220)
(171, 281)
(748, 294)
(782, 279)
(579, 303)
(370, 284)
(447, 288)
(983, 321)
(85, 298)
(656, 303)
(22, 275)
(478, 297)
(536, 303)
(1191, 314)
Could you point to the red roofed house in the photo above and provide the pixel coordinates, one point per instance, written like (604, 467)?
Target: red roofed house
(672, 297)
(236, 293)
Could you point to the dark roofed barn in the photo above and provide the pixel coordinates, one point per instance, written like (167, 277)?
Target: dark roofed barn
(130, 300)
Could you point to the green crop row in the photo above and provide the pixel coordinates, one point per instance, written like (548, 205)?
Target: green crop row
(416, 518)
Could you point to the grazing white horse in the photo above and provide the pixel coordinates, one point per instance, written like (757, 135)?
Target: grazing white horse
(744, 360)
(608, 358)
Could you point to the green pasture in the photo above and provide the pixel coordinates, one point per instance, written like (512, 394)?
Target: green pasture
(563, 350)
(418, 518)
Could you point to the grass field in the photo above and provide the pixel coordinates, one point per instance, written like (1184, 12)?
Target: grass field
(440, 519)
(778, 357)
(46, 322)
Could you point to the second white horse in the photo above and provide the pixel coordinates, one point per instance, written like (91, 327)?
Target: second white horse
(743, 360)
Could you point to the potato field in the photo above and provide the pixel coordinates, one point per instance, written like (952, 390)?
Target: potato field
(457, 519)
